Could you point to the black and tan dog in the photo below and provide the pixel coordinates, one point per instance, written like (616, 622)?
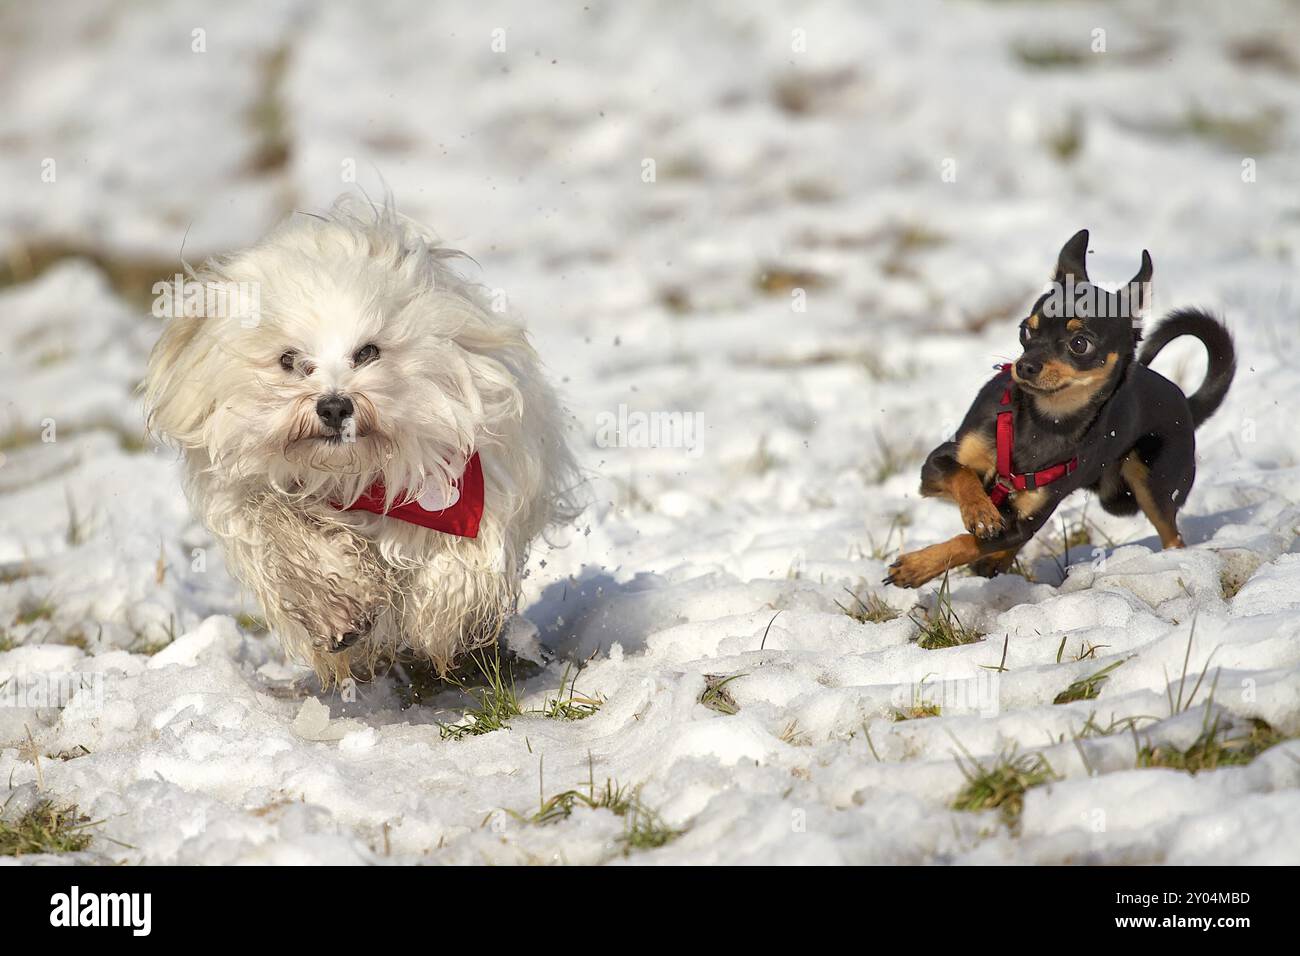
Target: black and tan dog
(1079, 409)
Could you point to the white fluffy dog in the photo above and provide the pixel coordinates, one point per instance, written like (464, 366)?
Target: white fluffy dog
(362, 372)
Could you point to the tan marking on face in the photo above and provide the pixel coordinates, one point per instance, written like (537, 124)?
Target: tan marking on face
(1076, 388)
(1138, 478)
(1074, 325)
(1032, 321)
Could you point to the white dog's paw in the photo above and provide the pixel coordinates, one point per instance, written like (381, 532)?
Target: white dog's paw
(350, 625)
(349, 639)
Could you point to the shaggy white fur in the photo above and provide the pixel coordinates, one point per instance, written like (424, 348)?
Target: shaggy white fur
(237, 393)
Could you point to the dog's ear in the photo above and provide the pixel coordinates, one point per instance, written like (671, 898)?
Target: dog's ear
(171, 395)
(1073, 259)
(1140, 285)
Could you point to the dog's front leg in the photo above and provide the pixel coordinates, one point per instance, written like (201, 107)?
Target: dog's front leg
(953, 471)
(915, 568)
(456, 601)
(322, 587)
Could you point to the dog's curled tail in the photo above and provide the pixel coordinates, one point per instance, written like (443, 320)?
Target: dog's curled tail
(1218, 343)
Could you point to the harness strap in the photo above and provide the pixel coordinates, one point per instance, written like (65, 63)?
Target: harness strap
(1007, 480)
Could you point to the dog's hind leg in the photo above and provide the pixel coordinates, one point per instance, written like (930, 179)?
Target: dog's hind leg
(995, 563)
(1157, 501)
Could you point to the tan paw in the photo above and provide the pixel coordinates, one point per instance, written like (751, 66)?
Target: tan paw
(982, 518)
(914, 569)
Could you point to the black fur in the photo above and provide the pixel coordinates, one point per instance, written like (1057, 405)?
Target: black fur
(1206, 400)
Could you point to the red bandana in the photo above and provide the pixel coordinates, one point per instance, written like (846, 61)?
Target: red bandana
(1009, 481)
(460, 518)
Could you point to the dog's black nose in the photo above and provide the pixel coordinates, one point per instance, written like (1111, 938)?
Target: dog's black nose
(1028, 369)
(333, 409)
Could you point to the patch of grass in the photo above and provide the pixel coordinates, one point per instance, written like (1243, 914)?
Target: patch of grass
(41, 610)
(1088, 688)
(780, 280)
(574, 706)
(1230, 584)
(643, 828)
(267, 115)
(496, 701)
(801, 92)
(1264, 51)
(872, 610)
(46, 828)
(1088, 652)
(496, 698)
(1212, 749)
(763, 460)
(716, 696)
(131, 277)
(78, 529)
(72, 753)
(1051, 56)
(1246, 134)
(16, 437)
(129, 441)
(148, 645)
(251, 623)
(1065, 140)
(1092, 728)
(18, 571)
(905, 242)
(941, 627)
(792, 735)
(917, 711)
(1002, 784)
(1176, 704)
(915, 237)
(675, 299)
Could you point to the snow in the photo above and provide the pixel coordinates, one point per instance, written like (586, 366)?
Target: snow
(775, 169)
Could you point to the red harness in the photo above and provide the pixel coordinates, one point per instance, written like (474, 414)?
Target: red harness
(460, 518)
(1008, 480)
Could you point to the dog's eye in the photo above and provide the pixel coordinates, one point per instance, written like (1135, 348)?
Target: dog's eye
(287, 359)
(1081, 345)
(367, 353)
(1025, 333)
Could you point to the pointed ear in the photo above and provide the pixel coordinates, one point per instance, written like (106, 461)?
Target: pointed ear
(1140, 285)
(1073, 258)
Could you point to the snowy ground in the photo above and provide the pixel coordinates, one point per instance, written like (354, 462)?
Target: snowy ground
(796, 150)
